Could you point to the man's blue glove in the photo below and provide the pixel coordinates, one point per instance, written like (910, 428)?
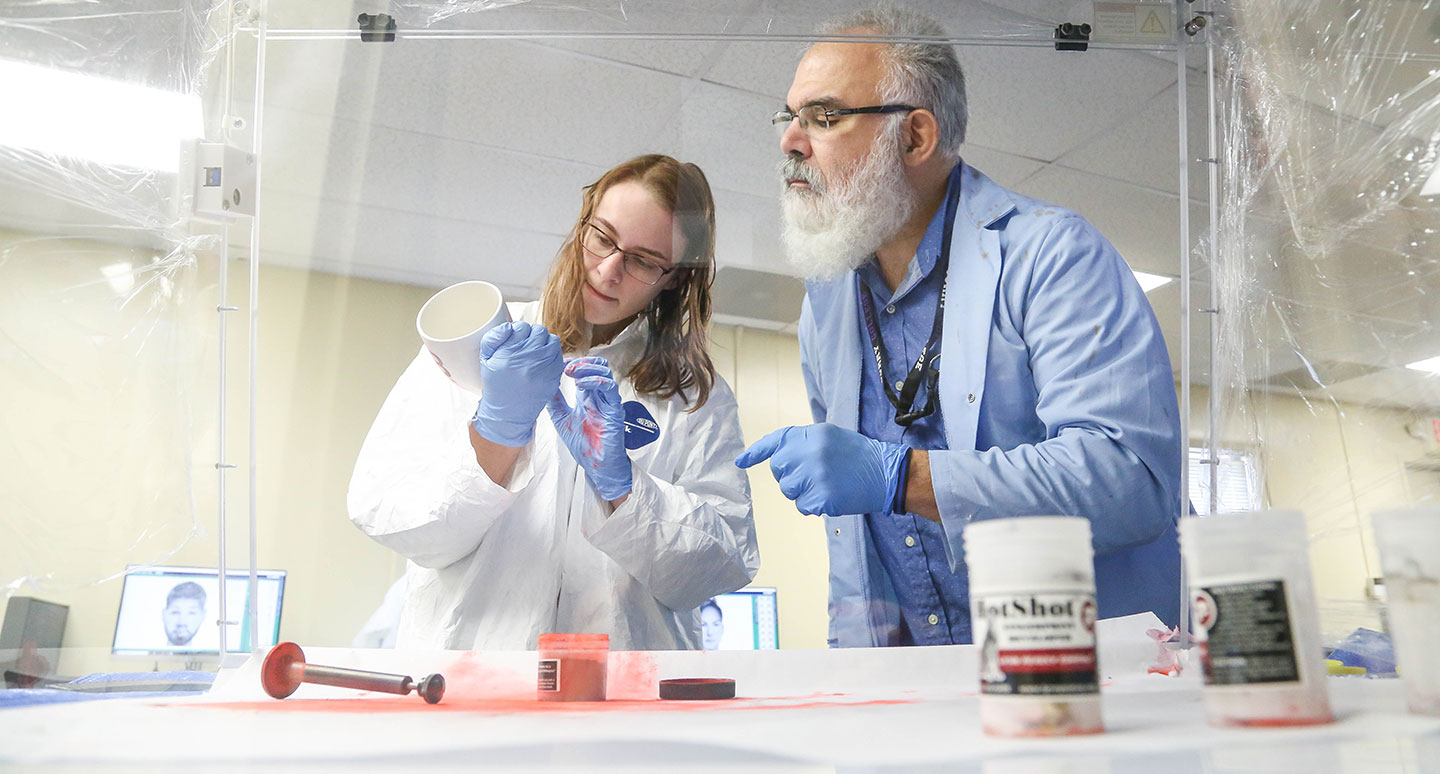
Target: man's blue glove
(828, 469)
(594, 430)
(520, 366)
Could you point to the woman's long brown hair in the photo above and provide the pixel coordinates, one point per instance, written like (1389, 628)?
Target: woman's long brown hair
(674, 361)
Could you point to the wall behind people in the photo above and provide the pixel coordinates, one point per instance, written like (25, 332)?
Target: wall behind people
(764, 369)
(330, 348)
(1338, 463)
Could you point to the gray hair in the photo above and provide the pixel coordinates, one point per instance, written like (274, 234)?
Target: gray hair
(921, 74)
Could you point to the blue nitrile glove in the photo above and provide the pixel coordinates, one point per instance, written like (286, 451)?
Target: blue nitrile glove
(594, 430)
(825, 468)
(520, 366)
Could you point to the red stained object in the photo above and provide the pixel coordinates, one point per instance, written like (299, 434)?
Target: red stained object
(1285, 722)
(283, 669)
(572, 667)
(697, 688)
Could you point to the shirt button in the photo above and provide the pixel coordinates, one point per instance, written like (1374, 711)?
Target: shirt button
(890, 309)
(837, 531)
(934, 619)
(909, 541)
(899, 385)
(970, 398)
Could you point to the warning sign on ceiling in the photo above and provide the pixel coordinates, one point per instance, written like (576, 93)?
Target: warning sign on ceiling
(1139, 21)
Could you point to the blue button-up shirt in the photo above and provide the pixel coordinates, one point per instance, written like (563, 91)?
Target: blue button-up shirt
(1057, 397)
(911, 548)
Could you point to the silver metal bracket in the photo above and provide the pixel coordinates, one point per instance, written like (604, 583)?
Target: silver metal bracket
(216, 182)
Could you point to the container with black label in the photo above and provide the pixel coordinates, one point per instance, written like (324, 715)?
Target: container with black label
(1032, 603)
(572, 667)
(1256, 628)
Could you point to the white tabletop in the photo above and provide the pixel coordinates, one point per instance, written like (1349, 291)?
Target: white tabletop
(904, 709)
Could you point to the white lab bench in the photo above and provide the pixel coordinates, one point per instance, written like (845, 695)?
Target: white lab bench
(901, 709)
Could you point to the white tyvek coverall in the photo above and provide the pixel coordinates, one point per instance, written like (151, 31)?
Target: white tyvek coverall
(493, 567)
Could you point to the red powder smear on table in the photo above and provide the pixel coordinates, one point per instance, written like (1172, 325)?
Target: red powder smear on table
(632, 675)
(1282, 722)
(468, 674)
(534, 706)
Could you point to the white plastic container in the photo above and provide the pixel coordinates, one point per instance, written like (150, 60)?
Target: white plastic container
(452, 324)
(1408, 540)
(1032, 602)
(1256, 626)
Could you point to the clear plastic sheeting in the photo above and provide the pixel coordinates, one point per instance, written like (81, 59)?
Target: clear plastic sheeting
(97, 363)
(97, 99)
(392, 169)
(993, 22)
(389, 170)
(99, 338)
(1328, 274)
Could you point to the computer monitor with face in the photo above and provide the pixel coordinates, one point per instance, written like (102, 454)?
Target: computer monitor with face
(747, 619)
(172, 611)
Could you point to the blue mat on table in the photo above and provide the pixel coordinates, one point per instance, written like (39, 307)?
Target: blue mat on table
(110, 685)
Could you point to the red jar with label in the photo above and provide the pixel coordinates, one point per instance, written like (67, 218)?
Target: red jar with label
(572, 667)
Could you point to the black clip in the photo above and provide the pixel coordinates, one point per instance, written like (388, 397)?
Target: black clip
(376, 28)
(1072, 37)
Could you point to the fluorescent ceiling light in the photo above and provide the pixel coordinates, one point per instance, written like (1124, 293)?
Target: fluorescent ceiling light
(1429, 365)
(1149, 282)
(121, 277)
(97, 119)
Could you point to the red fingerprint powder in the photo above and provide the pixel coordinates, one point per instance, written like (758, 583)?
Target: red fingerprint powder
(594, 432)
(534, 706)
(572, 666)
(577, 679)
(1282, 722)
(632, 676)
(632, 686)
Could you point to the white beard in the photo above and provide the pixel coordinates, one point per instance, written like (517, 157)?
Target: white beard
(829, 230)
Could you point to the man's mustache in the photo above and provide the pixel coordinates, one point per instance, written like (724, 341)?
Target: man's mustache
(791, 168)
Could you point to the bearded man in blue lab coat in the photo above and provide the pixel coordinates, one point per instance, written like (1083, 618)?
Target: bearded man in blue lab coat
(1054, 394)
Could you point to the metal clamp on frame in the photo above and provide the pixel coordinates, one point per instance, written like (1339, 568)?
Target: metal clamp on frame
(376, 27)
(216, 182)
(1072, 37)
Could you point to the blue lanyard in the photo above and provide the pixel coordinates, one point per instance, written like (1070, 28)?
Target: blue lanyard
(927, 366)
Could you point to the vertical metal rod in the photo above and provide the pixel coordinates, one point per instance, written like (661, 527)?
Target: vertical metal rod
(1216, 311)
(257, 134)
(222, 621)
(1183, 140)
(223, 309)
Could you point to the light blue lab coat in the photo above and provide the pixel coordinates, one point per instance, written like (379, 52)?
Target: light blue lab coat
(1057, 399)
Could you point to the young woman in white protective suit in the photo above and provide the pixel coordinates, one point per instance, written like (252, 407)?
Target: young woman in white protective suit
(536, 511)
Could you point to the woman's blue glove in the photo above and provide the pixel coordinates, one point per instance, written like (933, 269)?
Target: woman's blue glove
(520, 366)
(828, 469)
(594, 430)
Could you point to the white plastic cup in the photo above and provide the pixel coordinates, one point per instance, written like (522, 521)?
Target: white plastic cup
(1032, 603)
(1408, 540)
(1256, 625)
(452, 323)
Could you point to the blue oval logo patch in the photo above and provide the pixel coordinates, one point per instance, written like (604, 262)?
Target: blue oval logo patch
(641, 429)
